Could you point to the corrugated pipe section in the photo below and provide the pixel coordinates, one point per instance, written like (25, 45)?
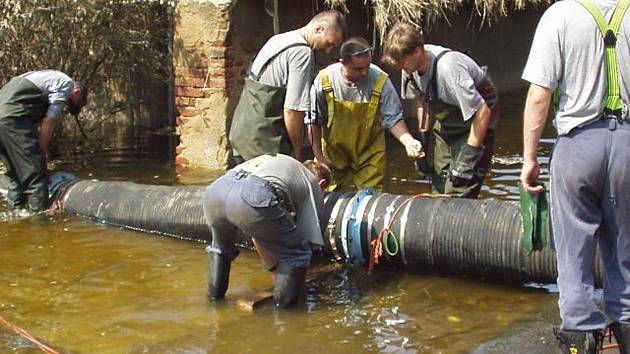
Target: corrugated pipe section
(456, 236)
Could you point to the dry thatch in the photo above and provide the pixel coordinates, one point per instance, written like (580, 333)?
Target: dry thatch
(388, 12)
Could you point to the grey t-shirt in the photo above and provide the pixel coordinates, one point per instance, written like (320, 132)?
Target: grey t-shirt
(54, 84)
(292, 69)
(300, 186)
(568, 54)
(390, 106)
(457, 79)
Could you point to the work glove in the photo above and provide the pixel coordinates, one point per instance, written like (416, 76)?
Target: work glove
(463, 171)
(422, 166)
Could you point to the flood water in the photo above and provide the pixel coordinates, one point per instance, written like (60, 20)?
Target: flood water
(83, 287)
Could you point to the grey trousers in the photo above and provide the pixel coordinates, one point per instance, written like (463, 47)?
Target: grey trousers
(590, 196)
(247, 203)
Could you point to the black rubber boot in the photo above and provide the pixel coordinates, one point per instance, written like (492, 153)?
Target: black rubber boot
(289, 282)
(218, 275)
(622, 335)
(579, 342)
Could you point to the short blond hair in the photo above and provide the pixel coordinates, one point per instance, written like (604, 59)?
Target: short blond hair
(402, 40)
(320, 170)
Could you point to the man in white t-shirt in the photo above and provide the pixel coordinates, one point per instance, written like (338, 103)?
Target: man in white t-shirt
(590, 168)
(457, 109)
(269, 117)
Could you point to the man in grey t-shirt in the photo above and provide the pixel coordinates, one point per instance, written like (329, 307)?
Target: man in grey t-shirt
(269, 117)
(459, 97)
(590, 189)
(352, 101)
(279, 203)
(29, 106)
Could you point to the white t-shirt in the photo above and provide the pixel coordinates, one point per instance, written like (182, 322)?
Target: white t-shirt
(568, 54)
(292, 69)
(56, 85)
(457, 78)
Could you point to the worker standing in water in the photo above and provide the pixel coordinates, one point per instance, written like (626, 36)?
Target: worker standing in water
(353, 101)
(278, 202)
(29, 108)
(580, 50)
(457, 109)
(269, 116)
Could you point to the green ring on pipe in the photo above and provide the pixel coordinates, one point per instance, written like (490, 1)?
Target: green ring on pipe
(386, 243)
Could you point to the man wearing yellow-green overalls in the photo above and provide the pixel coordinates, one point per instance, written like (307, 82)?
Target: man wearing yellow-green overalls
(353, 101)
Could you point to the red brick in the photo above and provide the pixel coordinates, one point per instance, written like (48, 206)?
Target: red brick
(188, 112)
(191, 82)
(217, 83)
(188, 92)
(218, 44)
(179, 149)
(198, 73)
(183, 101)
(223, 24)
(179, 160)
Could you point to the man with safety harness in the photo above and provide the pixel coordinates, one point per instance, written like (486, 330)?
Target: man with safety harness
(354, 101)
(457, 102)
(269, 116)
(278, 202)
(580, 50)
(29, 106)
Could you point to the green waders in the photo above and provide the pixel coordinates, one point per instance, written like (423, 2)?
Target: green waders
(450, 134)
(258, 123)
(22, 107)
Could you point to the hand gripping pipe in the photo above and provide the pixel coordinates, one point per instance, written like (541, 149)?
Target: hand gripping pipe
(479, 238)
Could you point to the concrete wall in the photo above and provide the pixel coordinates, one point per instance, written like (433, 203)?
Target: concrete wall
(216, 41)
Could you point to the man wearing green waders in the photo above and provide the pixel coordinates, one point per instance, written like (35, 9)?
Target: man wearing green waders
(581, 51)
(29, 106)
(269, 117)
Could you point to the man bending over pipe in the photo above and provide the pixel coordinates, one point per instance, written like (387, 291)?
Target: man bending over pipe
(29, 106)
(278, 202)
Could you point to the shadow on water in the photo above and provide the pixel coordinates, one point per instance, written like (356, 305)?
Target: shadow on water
(84, 287)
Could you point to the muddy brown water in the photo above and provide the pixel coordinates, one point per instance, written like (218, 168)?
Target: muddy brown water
(83, 287)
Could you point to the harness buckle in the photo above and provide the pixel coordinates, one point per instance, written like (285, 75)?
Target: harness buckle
(610, 40)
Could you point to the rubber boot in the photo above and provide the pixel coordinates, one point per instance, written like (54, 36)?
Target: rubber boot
(218, 275)
(579, 342)
(622, 335)
(289, 281)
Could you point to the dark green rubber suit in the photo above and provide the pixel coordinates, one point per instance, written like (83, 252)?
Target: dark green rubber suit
(22, 108)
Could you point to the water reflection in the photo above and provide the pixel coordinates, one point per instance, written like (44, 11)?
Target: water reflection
(90, 288)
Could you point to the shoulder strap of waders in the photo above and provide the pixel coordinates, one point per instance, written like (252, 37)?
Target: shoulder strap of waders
(264, 66)
(330, 96)
(376, 94)
(433, 90)
(609, 32)
(432, 95)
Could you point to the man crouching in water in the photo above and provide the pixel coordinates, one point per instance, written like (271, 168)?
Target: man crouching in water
(279, 203)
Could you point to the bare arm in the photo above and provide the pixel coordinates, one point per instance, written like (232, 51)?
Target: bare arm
(45, 133)
(534, 119)
(479, 126)
(294, 121)
(316, 134)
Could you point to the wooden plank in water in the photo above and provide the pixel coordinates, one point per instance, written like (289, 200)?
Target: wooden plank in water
(250, 303)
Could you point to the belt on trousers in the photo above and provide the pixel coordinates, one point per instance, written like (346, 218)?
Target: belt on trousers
(284, 200)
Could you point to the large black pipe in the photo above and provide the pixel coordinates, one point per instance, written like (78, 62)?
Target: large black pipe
(456, 236)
